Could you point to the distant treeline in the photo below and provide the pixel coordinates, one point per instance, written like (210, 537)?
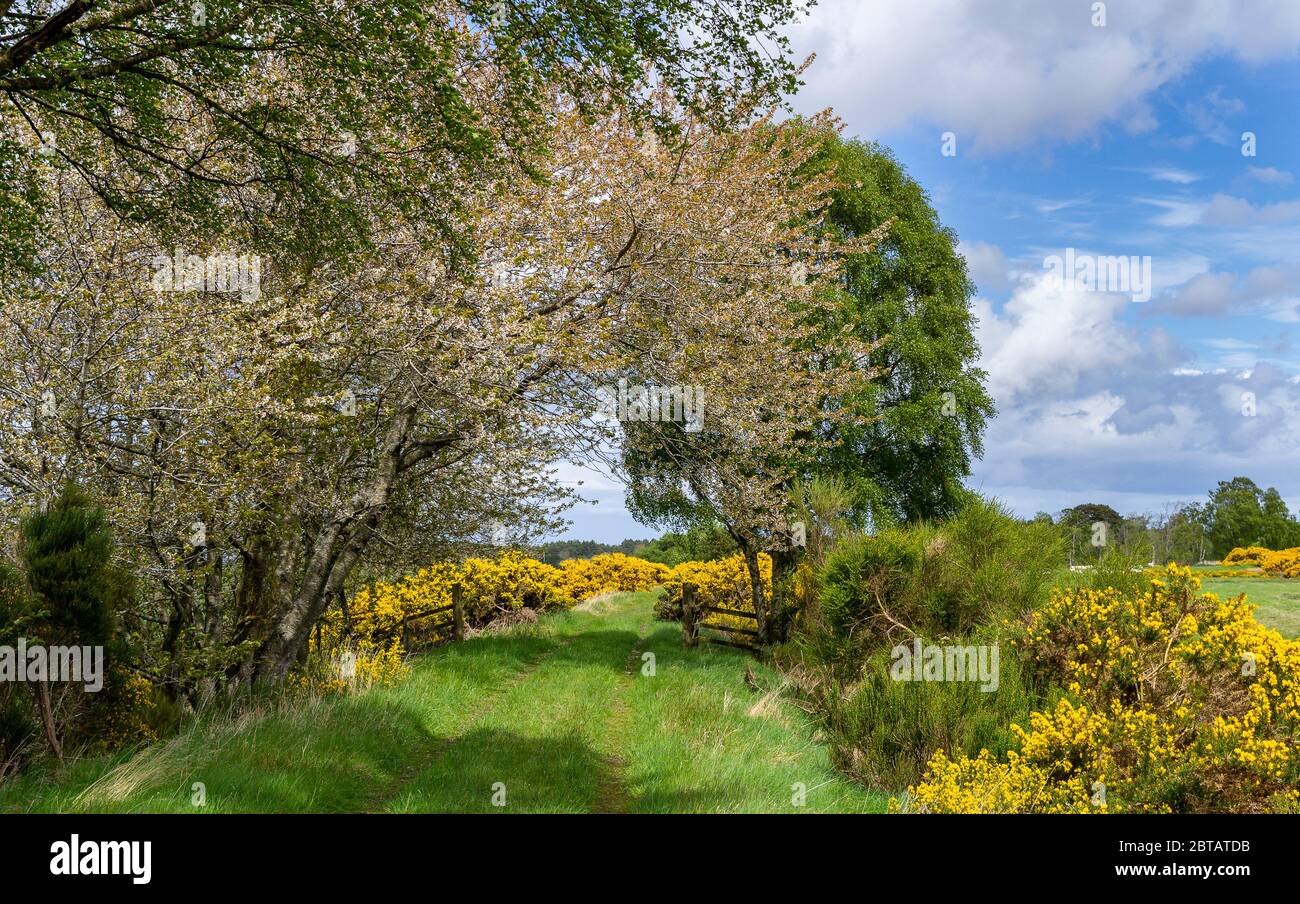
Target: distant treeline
(1237, 512)
(702, 543)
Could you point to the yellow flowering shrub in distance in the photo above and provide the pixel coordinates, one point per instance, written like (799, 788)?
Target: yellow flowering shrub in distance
(511, 581)
(1249, 555)
(385, 619)
(1222, 573)
(1175, 701)
(381, 611)
(1282, 562)
(581, 579)
(721, 582)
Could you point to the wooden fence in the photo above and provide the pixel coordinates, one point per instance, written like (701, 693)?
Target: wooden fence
(693, 619)
(456, 608)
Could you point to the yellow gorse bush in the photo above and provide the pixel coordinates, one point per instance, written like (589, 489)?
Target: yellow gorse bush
(1248, 555)
(126, 722)
(1175, 701)
(1282, 562)
(582, 579)
(723, 583)
(384, 620)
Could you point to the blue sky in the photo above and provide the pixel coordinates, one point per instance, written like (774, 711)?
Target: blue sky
(1120, 139)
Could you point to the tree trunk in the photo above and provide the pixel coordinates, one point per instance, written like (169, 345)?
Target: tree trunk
(213, 626)
(756, 589)
(780, 620)
(266, 573)
(337, 548)
(47, 717)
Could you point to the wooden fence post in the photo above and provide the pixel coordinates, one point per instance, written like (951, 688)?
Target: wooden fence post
(457, 613)
(690, 618)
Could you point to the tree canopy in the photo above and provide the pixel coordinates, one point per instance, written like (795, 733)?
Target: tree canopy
(295, 114)
(1240, 513)
(921, 419)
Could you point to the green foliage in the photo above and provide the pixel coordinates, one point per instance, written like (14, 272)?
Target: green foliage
(1090, 513)
(957, 581)
(114, 85)
(17, 730)
(883, 732)
(1087, 541)
(66, 554)
(14, 603)
(924, 417)
(702, 542)
(1239, 513)
(936, 580)
(557, 551)
(1116, 567)
(867, 574)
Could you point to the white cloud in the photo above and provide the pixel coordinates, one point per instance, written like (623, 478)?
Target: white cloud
(1176, 212)
(1211, 113)
(1272, 290)
(1222, 210)
(1225, 210)
(986, 264)
(1007, 73)
(1093, 409)
(1204, 295)
(1270, 175)
(1169, 174)
(1047, 336)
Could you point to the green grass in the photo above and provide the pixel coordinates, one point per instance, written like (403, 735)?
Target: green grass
(1277, 599)
(561, 715)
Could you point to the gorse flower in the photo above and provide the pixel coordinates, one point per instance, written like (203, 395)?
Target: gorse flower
(385, 620)
(1174, 701)
(1282, 562)
(723, 583)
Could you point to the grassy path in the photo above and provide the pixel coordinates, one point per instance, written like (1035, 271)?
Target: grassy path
(595, 710)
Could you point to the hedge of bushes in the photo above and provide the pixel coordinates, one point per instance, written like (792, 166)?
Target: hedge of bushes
(954, 583)
(1281, 562)
(1126, 691)
(387, 619)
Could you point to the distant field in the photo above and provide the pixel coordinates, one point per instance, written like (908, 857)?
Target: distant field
(1278, 599)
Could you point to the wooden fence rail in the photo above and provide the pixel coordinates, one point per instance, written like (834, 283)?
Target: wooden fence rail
(457, 609)
(693, 616)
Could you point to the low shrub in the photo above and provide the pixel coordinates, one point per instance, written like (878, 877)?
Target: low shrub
(1279, 562)
(121, 714)
(1249, 555)
(1175, 701)
(18, 730)
(884, 732)
(956, 583)
(976, 569)
(581, 579)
